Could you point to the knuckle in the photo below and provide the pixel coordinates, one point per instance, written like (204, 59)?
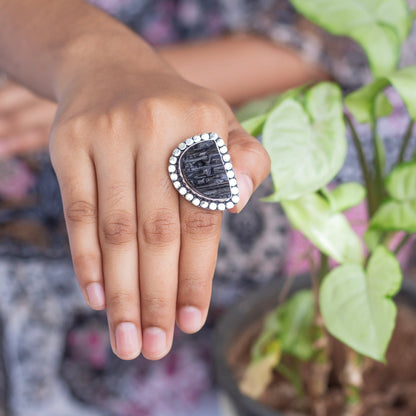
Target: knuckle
(207, 113)
(154, 305)
(81, 212)
(202, 225)
(119, 228)
(193, 287)
(150, 111)
(160, 228)
(121, 301)
(85, 261)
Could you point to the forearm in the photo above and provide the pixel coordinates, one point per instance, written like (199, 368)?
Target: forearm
(44, 42)
(241, 67)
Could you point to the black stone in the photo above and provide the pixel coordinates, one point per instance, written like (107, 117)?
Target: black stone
(203, 170)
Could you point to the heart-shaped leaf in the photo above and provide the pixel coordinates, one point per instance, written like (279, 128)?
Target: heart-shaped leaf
(357, 304)
(361, 102)
(399, 212)
(378, 26)
(260, 110)
(345, 196)
(306, 142)
(329, 231)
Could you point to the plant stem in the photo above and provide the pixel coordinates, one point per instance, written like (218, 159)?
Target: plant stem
(402, 243)
(317, 383)
(406, 139)
(352, 378)
(378, 162)
(363, 164)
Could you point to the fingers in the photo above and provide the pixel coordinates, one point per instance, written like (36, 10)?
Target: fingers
(37, 113)
(25, 141)
(200, 233)
(159, 243)
(251, 163)
(14, 96)
(25, 121)
(117, 226)
(76, 178)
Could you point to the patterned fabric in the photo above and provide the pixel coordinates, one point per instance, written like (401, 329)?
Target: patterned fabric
(55, 358)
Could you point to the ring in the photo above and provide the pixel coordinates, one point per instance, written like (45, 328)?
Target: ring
(201, 171)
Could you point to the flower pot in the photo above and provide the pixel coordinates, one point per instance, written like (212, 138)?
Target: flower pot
(235, 322)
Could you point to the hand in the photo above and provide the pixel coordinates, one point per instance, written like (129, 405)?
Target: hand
(139, 249)
(25, 120)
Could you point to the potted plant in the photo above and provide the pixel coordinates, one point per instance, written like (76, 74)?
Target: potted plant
(337, 327)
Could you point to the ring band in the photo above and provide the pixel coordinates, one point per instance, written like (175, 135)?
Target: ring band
(201, 171)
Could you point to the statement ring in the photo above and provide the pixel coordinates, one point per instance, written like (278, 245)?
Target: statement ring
(201, 171)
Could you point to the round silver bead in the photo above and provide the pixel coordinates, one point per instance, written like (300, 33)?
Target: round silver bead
(226, 158)
(196, 201)
(204, 204)
(189, 197)
(174, 176)
(228, 166)
(182, 146)
(173, 160)
(235, 199)
(229, 205)
(177, 184)
(176, 152)
(189, 141)
(182, 191)
(221, 207)
(205, 136)
(220, 142)
(172, 168)
(233, 182)
(230, 174)
(197, 139)
(213, 206)
(223, 149)
(213, 136)
(234, 190)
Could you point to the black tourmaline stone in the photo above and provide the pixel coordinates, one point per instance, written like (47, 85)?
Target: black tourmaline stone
(203, 170)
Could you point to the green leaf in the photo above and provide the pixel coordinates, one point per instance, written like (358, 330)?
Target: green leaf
(346, 196)
(253, 115)
(399, 212)
(395, 216)
(372, 238)
(401, 183)
(255, 107)
(357, 305)
(378, 26)
(361, 102)
(306, 141)
(254, 125)
(329, 231)
(383, 107)
(292, 325)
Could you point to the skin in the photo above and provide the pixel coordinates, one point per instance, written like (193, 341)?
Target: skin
(138, 249)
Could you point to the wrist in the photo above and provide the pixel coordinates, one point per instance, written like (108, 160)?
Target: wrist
(86, 57)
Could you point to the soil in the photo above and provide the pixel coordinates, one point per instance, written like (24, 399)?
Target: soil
(389, 390)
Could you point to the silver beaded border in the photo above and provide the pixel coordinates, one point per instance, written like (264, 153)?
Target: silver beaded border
(189, 193)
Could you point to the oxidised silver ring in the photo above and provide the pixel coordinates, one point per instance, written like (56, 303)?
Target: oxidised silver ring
(201, 170)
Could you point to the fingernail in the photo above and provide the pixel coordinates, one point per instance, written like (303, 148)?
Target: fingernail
(95, 293)
(127, 341)
(154, 341)
(245, 186)
(190, 319)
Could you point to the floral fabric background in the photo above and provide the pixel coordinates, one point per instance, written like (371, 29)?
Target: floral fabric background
(55, 358)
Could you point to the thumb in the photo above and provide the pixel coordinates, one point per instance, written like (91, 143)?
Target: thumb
(251, 163)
